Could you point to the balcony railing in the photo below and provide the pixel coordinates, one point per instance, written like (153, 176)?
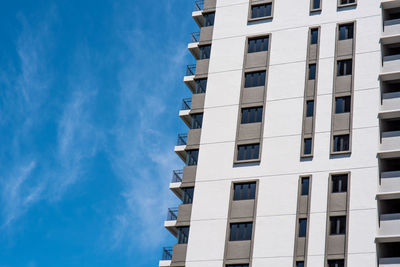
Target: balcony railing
(177, 176)
(195, 37)
(186, 103)
(198, 5)
(172, 214)
(167, 254)
(190, 70)
(182, 139)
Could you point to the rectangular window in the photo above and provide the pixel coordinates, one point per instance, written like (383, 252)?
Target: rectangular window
(346, 31)
(187, 195)
(310, 108)
(197, 121)
(338, 225)
(192, 156)
(248, 152)
(251, 115)
(299, 263)
(240, 231)
(201, 86)
(341, 143)
(237, 265)
(244, 191)
(261, 11)
(209, 19)
(314, 36)
(347, 2)
(305, 186)
(258, 44)
(316, 4)
(253, 79)
(205, 51)
(183, 234)
(311, 71)
(342, 104)
(339, 183)
(307, 146)
(335, 263)
(302, 227)
(344, 67)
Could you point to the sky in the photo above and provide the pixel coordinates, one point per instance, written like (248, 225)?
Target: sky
(89, 99)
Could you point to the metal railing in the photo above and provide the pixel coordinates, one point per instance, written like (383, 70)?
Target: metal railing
(177, 176)
(172, 214)
(198, 5)
(182, 138)
(195, 37)
(186, 103)
(190, 70)
(167, 254)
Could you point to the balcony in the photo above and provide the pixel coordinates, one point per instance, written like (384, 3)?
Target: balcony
(389, 214)
(177, 217)
(176, 182)
(390, 174)
(184, 113)
(180, 148)
(388, 249)
(391, 18)
(189, 77)
(390, 95)
(197, 13)
(390, 55)
(166, 257)
(170, 223)
(194, 44)
(390, 137)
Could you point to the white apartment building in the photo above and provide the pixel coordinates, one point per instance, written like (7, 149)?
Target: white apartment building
(292, 157)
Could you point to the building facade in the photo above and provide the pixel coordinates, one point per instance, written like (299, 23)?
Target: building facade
(292, 157)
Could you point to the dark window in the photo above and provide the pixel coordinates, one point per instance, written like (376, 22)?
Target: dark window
(346, 2)
(299, 263)
(209, 19)
(258, 44)
(339, 183)
(338, 225)
(341, 143)
(247, 152)
(241, 231)
(197, 121)
(335, 263)
(344, 67)
(346, 31)
(201, 85)
(343, 104)
(311, 71)
(305, 186)
(237, 265)
(183, 234)
(205, 51)
(310, 108)
(259, 11)
(192, 156)
(187, 195)
(244, 191)
(314, 36)
(302, 227)
(251, 115)
(254, 79)
(316, 4)
(307, 146)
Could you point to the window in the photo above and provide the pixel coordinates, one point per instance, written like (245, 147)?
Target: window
(258, 44)
(311, 71)
(260, 11)
(302, 227)
(237, 265)
(241, 231)
(314, 36)
(187, 195)
(310, 108)
(339, 183)
(307, 146)
(335, 263)
(248, 152)
(338, 225)
(205, 51)
(201, 85)
(305, 186)
(347, 2)
(253, 79)
(183, 234)
(244, 191)
(344, 67)
(341, 143)
(251, 115)
(299, 263)
(316, 4)
(197, 121)
(209, 19)
(192, 156)
(343, 104)
(346, 31)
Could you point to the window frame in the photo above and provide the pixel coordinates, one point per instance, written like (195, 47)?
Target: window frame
(304, 154)
(302, 232)
(311, 36)
(241, 236)
(313, 9)
(253, 3)
(239, 197)
(344, 25)
(312, 75)
(301, 187)
(203, 55)
(204, 19)
(246, 85)
(249, 116)
(345, 67)
(310, 113)
(258, 37)
(237, 160)
(340, 5)
(334, 145)
(332, 187)
(195, 124)
(340, 223)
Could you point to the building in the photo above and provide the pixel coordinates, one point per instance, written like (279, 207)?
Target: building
(292, 157)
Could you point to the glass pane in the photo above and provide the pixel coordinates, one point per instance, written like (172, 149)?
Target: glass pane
(310, 108)
(305, 183)
(302, 227)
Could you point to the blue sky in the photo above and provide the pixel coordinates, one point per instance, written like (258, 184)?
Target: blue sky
(89, 97)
